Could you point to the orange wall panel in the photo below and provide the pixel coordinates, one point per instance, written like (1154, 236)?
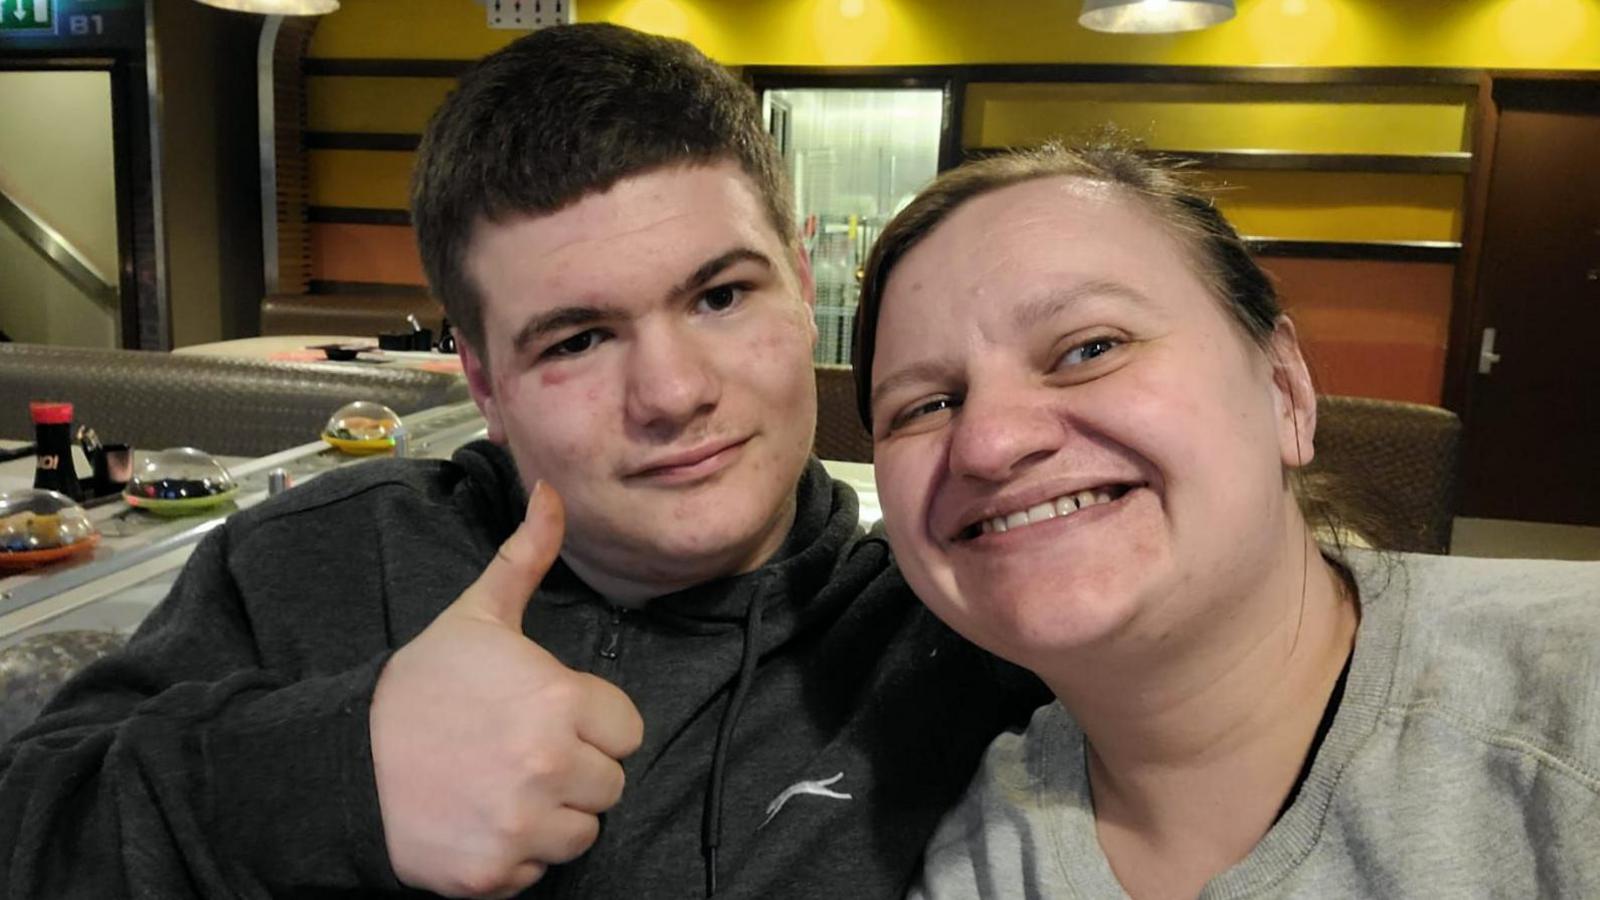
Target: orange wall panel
(385, 254)
(1370, 328)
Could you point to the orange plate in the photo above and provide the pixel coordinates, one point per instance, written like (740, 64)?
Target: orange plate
(27, 559)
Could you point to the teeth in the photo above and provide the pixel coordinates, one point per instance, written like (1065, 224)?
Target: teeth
(1065, 505)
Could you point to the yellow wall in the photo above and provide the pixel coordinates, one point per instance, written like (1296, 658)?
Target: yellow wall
(1341, 206)
(1303, 118)
(1554, 34)
(1352, 309)
(348, 103)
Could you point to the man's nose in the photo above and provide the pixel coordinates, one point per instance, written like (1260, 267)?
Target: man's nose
(672, 379)
(1001, 430)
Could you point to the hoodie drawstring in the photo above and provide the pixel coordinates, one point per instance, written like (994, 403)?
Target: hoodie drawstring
(711, 815)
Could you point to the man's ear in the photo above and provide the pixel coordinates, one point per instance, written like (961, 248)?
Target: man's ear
(1294, 395)
(808, 287)
(481, 386)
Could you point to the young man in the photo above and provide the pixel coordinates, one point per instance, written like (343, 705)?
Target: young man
(385, 679)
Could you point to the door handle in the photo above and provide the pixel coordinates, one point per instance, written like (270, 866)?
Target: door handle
(1486, 355)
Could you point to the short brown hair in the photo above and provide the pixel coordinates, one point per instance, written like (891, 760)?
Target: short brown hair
(564, 113)
(1218, 253)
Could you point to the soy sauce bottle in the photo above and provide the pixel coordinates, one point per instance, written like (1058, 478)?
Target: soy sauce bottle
(53, 469)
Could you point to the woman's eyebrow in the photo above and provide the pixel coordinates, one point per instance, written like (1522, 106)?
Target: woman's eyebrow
(923, 370)
(1030, 314)
(1027, 316)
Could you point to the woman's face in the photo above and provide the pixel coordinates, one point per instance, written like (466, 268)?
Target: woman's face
(1074, 441)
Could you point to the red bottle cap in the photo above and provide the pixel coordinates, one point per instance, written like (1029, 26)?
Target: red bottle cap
(51, 413)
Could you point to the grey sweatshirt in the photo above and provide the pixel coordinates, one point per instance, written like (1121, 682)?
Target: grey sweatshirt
(1463, 760)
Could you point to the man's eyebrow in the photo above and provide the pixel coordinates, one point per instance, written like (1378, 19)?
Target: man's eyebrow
(713, 267)
(563, 317)
(560, 318)
(1027, 316)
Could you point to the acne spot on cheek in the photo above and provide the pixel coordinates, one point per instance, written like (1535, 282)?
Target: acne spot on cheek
(552, 376)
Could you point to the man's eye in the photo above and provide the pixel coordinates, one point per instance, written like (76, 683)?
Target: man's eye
(721, 298)
(582, 342)
(1088, 350)
(921, 411)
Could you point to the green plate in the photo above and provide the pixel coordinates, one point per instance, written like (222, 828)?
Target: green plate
(186, 506)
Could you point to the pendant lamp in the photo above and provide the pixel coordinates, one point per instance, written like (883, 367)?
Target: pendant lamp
(1153, 16)
(277, 7)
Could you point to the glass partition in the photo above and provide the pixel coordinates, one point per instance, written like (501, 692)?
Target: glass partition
(856, 156)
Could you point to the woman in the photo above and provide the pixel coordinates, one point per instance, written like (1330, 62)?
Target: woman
(1087, 411)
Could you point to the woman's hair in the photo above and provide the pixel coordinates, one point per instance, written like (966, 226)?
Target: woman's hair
(1219, 256)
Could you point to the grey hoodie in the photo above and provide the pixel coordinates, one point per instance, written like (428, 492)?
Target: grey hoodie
(225, 752)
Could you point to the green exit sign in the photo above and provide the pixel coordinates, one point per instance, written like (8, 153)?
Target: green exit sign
(27, 15)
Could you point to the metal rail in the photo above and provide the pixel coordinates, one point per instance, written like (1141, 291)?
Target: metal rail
(58, 252)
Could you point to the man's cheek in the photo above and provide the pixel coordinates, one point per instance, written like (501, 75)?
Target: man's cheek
(554, 376)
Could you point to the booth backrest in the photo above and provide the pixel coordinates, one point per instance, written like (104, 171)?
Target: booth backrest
(839, 431)
(1395, 467)
(153, 400)
(363, 315)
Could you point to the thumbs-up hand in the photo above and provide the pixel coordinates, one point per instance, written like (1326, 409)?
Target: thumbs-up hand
(492, 759)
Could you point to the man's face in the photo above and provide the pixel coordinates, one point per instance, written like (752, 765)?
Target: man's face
(649, 356)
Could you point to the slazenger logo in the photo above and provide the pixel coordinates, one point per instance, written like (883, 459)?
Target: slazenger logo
(819, 788)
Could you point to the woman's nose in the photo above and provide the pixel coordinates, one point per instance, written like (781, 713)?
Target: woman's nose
(998, 433)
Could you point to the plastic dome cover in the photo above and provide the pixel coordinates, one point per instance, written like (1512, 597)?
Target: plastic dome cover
(32, 519)
(363, 420)
(182, 473)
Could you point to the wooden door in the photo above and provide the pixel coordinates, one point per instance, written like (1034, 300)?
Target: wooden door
(1532, 447)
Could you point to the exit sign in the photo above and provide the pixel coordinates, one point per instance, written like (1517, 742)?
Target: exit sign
(27, 15)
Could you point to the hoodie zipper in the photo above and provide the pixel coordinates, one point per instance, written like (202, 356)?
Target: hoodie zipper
(609, 647)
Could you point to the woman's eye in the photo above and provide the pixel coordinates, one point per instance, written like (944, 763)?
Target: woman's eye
(922, 410)
(582, 342)
(721, 298)
(1088, 350)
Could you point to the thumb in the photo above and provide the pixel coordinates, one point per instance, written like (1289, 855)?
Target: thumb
(507, 584)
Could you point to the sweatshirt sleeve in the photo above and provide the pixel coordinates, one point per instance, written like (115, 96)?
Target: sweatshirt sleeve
(182, 766)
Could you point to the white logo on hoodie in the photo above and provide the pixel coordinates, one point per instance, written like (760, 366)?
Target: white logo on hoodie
(818, 788)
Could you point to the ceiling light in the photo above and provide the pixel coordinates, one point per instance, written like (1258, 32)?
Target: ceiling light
(277, 7)
(1153, 16)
